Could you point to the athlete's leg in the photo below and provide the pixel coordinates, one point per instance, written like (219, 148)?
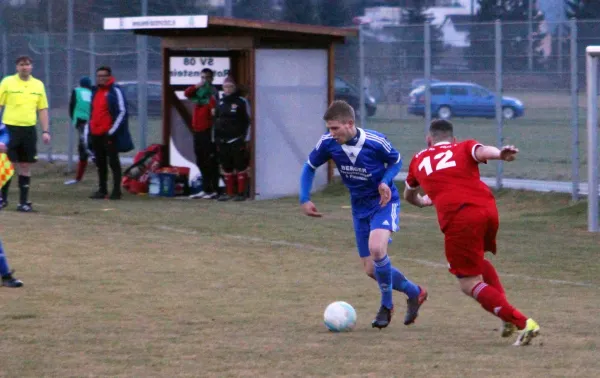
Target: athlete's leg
(382, 224)
(464, 242)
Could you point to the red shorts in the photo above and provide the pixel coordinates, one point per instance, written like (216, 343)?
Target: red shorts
(467, 236)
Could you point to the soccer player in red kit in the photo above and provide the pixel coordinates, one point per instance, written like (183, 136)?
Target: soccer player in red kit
(448, 174)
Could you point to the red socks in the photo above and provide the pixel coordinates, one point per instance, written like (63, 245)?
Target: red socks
(490, 276)
(235, 183)
(229, 184)
(495, 302)
(242, 180)
(81, 169)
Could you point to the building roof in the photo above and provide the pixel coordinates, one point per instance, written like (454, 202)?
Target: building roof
(439, 14)
(194, 25)
(462, 22)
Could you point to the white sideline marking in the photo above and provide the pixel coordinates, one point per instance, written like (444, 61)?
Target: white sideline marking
(318, 249)
(247, 238)
(419, 261)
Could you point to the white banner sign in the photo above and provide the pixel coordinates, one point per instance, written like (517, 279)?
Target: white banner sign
(186, 70)
(155, 22)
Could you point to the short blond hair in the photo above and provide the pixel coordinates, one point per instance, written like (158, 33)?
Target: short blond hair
(339, 110)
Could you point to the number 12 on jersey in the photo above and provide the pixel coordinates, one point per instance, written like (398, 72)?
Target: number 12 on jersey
(443, 163)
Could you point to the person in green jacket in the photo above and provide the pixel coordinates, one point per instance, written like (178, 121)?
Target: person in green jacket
(79, 112)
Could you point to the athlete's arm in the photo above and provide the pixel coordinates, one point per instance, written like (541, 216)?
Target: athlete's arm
(411, 194)
(317, 157)
(42, 107)
(44, 119)
(388, 178)
(391, 172)
(506, 153)
(414, 198)
(72, 101)
(306, 181)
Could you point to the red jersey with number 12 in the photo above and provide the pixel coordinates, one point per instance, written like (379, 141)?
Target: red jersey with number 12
(449, 174)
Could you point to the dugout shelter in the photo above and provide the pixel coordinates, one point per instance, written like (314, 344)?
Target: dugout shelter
(287, 69)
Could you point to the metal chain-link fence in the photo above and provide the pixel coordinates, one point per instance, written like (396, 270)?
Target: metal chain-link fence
(540, 76)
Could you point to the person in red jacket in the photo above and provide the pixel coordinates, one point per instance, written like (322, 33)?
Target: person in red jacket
(203, 95)
(108, 119)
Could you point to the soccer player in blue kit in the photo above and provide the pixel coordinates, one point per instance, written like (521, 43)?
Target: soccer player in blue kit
(7, 278)
(367, 163)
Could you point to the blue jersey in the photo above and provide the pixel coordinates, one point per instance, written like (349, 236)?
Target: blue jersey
(4, 137)
(362, 163)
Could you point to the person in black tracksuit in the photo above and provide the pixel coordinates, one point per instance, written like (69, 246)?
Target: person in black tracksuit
(232, 119)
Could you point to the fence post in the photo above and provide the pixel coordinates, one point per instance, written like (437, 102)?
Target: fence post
(228, 8)
(142, 100)
(530, 35)
(361, 74)
(427, 63)
(71, 130)
(92, 49)
(499, 120)
(4, 54)
(592, 138)
(48, 87)
(560, 49)
(574, 113)
(142, 68)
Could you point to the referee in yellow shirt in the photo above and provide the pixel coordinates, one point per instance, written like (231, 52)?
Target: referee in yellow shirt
(23, 99)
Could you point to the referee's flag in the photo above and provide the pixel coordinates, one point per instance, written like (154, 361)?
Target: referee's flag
(6, 169)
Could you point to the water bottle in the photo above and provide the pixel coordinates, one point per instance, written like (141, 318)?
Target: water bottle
(154, 185)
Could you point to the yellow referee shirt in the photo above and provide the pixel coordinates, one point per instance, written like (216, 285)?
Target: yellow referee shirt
(21, 100)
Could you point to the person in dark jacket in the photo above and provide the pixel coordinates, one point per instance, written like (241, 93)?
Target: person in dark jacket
(79, 112)
(204, 95)
(230, 131)
(108, 131)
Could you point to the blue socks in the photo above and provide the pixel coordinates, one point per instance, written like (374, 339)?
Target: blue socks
(402, 284)
(4, 269)
(388, 278)
(383, 274)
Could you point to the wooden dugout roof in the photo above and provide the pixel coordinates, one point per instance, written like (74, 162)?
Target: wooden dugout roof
(212, 26)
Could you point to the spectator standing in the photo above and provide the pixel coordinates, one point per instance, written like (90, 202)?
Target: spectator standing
(24, 100)
(203, 95)
(231, 128)
(108, 131)
(79, 112)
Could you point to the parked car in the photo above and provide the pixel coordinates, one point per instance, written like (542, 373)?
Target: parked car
(416, 83)
(450, 99)
(347, 92)
(343, 91)
(130, 88)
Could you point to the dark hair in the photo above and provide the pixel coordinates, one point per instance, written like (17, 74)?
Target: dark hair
(207, 71)
(23, 58)
(441, 128)
(339, 110)
(85, 82)
(104, 68)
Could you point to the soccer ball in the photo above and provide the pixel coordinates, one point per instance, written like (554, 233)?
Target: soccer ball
(339, 317)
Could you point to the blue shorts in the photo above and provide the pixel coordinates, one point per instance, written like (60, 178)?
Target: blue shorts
(387, 218)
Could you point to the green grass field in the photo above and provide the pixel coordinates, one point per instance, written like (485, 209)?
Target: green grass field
(147, 287)
(544, 135)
